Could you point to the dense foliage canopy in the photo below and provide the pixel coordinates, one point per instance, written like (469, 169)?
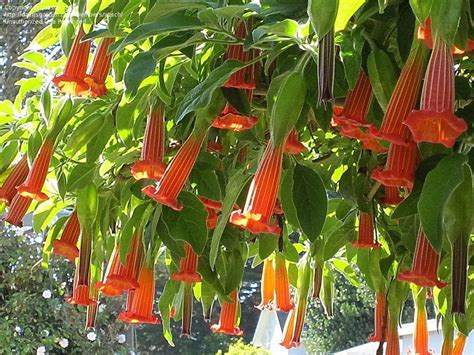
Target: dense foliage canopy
(315, 137)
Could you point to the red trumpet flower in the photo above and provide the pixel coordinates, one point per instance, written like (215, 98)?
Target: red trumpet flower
(283, 300)
(151, 165)
(262, 195)
(243, 78)
(81, 288)
(123, 277)
(399, 170)
(267, 285)
(72, 80)
(357, 104)
(420, 337)
(176, 173)
(392, 196)
(435, 122)
(17, 210)
(233, 120)
(459, 344)
(91, 314)
(424, 269)
(97, 74)
(293, 144)
(228, 317)
(366, 236)
(379, 319)
(393, 343)
(140, 309)
(187, 267)
(15, 178)
(67, 245)
(288, 329)
(424, 33)
(372, 144)
(403, 99)
(213, 207)
(37, 176)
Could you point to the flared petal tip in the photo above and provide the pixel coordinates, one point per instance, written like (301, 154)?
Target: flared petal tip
(134, 318)
(95, 89)
(123, 283)
(27, 191)
(67, 250)
(107, 289)
(71, 85)
(151, 191)
(186, 277)
(421, 279)
(359, 244)
(252, 223)
(234, 122)
(146, 169)
(389, 178)
(343, 121)
(435, 127)
(211, 221)
(294, 148)
(290, 344)
(80, 301)
(235, 331)
(210, 203)
(394, 138)
(373, 145)
(375, 338)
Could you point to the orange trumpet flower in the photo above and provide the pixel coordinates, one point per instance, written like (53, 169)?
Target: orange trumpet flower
(15, 178)
(366, 236)
(17, 210)
(67, 245)
(283, 300)
(188, 267)
(267, 285)
(459, 344)
(228, 317)
(97, 74)
(233, 120)
(288, 329)
(379, 319)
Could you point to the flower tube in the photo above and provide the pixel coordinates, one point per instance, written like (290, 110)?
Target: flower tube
(262, 195)
(435, 122)
(393, 342)
(459, 344)
(91, 314)
(392, 196)
(17, 210)
(283, 300)
(187, 310)
(228, 317)
(14, 179)
(212, 207)
(177, 172)
(188, 267)
(37, 176)
(424, 268)
(81, 288)
(67, 245)
(379, 319)
(404, 97)
(140, 309)
(97, 74)
(72, 80)
(366, 236)
(288, 329)
(420, 337)
(267, 285)
(357, 104)
(243, 78)
(150, 165)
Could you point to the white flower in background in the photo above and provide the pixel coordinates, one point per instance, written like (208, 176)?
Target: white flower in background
(64, 343)
(46, 294)
(39, 239)
(121, 338)
(18, 329)
(41, 350)
(91, 336)
(101, 307)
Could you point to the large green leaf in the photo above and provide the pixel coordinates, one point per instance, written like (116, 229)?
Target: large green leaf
(347, 8)
(439, 186)
(309, 197)
(141, 67)
(383, 76)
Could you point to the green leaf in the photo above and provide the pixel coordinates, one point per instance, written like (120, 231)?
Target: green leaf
(167, 7)
(233, 189)
(8, 154)
(34, 144)
(322, 14)
(286, 198)
(234, 267)
(170, 23)
(309, 196)
(439, 186)
(383, 76)
(267, 244)
(346, 9)
(445, 17)
(286, 28)
(165, 303)
(45, 212)
(84, 133)
(421, 9)
(189, 224)
(81, 175)
(97, 144)
(200, 96)
(86, 205)
(140, 67)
